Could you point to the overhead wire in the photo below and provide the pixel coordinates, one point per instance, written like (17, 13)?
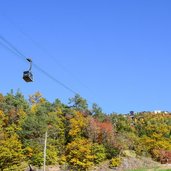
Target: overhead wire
(10, 47)
(44, 50)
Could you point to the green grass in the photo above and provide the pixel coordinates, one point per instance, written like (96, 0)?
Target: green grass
(138, 170)
(154, 169)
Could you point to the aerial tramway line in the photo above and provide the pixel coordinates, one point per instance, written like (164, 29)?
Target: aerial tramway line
(27, 75)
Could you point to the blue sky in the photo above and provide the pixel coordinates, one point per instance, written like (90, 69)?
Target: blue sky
(114, 53)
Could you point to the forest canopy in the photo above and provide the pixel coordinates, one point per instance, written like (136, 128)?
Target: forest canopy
(79, 136)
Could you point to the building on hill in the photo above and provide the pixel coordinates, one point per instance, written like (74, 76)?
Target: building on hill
(160, 111)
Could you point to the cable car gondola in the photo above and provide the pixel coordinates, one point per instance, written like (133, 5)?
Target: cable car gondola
(27, 75)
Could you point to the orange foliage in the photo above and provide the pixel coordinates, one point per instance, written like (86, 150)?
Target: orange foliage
(101, 131)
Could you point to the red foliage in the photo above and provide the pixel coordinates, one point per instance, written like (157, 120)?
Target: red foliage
(101, 131)
(165, 156)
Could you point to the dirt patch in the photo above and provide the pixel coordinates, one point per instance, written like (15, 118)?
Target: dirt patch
(53, 168)
(129, 163)
(135, 163)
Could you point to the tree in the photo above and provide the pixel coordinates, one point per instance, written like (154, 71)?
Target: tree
(34, 127)
(14, 107)
(56, 133)
(11, 152)
(79, 154)
(79, 103)
(36, 98)
(100, 132)
(77, 125)
(97, 112)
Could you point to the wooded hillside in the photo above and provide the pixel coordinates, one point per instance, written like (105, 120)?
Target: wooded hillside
(79, 136)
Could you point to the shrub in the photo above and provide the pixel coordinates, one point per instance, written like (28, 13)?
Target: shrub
(99, 153)
(115, 162)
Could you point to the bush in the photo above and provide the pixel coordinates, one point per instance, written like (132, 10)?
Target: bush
(99, 153)
(129, 153)
(112, 152)
(37, 159)
(115, 162)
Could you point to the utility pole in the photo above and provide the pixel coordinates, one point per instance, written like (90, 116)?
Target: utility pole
(44, 164)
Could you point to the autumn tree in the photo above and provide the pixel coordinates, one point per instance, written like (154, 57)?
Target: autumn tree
(11, 152)
(79, 154)
(78, 124)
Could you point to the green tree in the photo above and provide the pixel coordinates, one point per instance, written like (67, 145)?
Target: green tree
(97, 112)
(78, 102)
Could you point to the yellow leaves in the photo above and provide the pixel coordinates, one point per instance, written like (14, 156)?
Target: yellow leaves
(74, 161)
(145, 144)
(79, 154)
(2, 118)
(10, 151)
(115, 162)
(156, 136)
(34, 108)
(52, 155)
(156, 142)
(21, 113)
(147, 141)
(155, 153)
(78, 123)
(62, 160)
(28, 151)
(163, 144)
(59, 110)
(36, 98)
(1, 114)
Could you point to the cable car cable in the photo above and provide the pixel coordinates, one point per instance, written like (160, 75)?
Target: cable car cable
(43, 49)
(18, 53)
(9, 49)
(54, 79)
(12, 46)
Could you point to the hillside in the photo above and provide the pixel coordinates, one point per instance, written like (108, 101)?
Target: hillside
(79, 137)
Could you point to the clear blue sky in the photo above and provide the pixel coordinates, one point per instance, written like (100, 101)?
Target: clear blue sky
(114, 53)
